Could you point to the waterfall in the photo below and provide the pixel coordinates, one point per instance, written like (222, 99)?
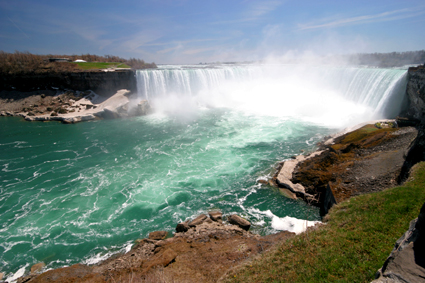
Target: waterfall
(292, 90)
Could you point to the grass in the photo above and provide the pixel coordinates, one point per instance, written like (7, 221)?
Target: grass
(100, 65)
(354, 243)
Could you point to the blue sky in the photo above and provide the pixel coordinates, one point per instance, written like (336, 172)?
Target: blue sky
(183, 31)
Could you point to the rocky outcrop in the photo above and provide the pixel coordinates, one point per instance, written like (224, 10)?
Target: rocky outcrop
(406, 262)
(103, 83)
(158, 235)
(415, 92)
(239, 221)
(362, 161)
(203, 253)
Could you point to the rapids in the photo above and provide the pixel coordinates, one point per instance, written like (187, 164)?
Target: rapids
(81, 192)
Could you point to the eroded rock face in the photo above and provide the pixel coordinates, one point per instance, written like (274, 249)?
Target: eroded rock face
(415, 92)
(406, 262)
(103, 83)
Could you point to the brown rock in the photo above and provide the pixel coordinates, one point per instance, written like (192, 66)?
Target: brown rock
(36, 268)
(158, 235)
(144, 241)
(215, 215)
(237, 220)
(198, 220)
(164, 259)
(182, 227)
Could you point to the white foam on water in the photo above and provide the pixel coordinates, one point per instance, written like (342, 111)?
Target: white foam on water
(17, 274)
(103, 256)
(286, 223)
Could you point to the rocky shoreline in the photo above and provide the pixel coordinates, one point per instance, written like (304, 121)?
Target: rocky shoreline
(365, 160)
(201, 250)
(71, 107)
(206, 248)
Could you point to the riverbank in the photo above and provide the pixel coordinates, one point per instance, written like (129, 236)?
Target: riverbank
(359, 235)
(365, 160)
(208, 252)
(71, 106)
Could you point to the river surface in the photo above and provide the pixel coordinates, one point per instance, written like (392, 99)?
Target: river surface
(80, 192)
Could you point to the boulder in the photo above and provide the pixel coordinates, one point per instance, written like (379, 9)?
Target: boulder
(110, 113)
(158, 235)
(198, 220)
(143, 108)
(182, 227)
(36, 268)
(163, 259)
(215, 215)
(239, 221)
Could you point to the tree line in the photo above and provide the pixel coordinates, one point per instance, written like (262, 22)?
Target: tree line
(385, 60)
(25, 62)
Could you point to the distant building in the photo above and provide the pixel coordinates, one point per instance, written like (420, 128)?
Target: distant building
(80, 61)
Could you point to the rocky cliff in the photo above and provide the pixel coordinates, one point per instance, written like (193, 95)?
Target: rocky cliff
(415, 92)
(101, 82)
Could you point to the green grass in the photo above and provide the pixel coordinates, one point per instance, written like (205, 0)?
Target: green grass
(100, 65)
(354, 243)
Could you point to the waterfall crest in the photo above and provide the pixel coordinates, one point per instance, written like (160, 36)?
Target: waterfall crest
(378, 92)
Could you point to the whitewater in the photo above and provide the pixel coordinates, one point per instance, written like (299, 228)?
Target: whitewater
(81, 192)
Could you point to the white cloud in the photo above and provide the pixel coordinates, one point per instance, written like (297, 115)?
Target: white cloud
(381, 17)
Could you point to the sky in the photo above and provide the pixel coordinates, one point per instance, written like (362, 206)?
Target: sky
(192, 32)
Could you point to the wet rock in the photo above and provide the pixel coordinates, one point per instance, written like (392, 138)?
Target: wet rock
(158, 235)
(36, 268)
(215, 215)
(143, 107)
(182, 227)
(110, 113)
(239, 221)
(25, 279)
(198, 220)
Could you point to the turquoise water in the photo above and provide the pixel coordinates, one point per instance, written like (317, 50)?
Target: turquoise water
(80, 192)
(70, 192)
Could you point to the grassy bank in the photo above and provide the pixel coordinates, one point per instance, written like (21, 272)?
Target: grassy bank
(100, 65)
(353, 244)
